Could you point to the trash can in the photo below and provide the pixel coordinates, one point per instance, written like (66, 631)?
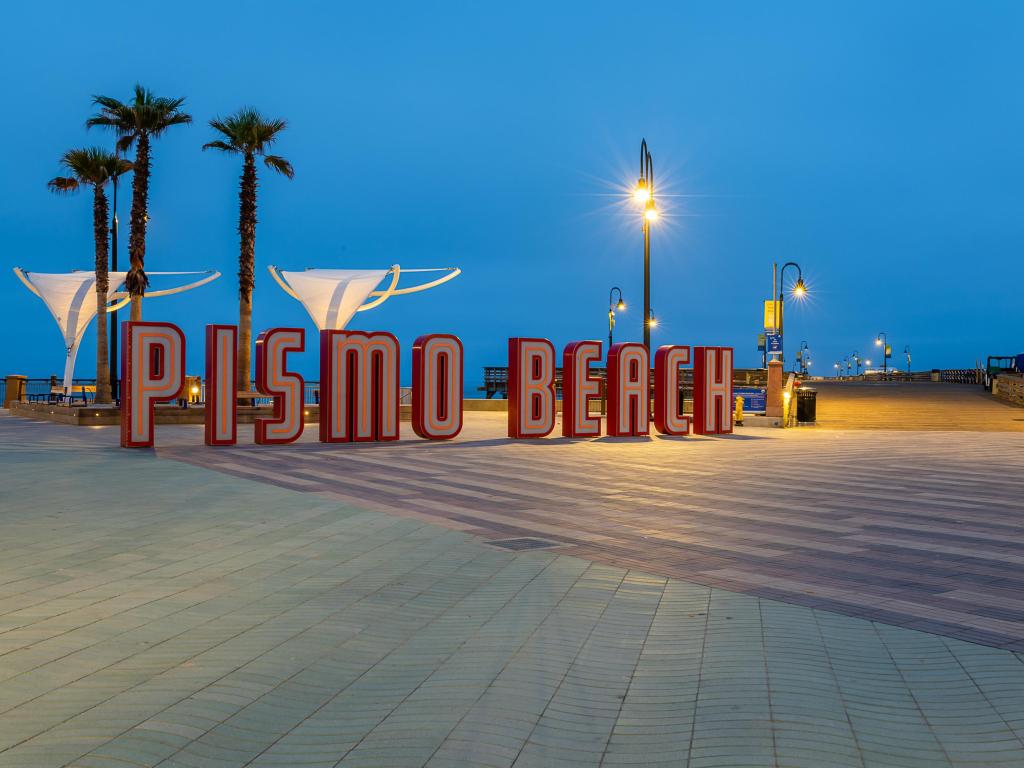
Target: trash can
(806, 405)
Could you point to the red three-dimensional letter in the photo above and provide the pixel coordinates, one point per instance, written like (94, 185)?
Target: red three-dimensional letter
(629, 406)
(221, 374)
(531, 387)
(273, 379)
(152, 371)
(437, 386)
(359, 397)
(668, 411)
(712, 390)
(579, 388)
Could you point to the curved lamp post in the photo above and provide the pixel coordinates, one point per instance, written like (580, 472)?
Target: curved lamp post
(613, 307)
(644, 194)
(802, 357)
(883, 341)
(799, 291)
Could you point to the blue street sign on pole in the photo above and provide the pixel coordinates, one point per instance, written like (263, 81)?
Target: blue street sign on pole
(774, 343)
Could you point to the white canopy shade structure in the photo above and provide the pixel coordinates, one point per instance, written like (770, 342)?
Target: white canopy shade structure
(333, 296)
(71, 299)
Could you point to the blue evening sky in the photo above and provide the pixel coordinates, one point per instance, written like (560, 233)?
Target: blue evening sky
(878, 144)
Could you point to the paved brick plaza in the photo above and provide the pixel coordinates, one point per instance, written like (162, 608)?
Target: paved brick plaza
(814, 597)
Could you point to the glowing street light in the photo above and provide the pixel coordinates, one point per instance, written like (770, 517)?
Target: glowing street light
(652, 321)
(799, 291)
(883, 341)
(644, 194)
(641, 194)
(613, 307)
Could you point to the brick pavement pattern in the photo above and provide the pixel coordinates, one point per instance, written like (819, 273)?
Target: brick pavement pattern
(224, 619)
(923, 530)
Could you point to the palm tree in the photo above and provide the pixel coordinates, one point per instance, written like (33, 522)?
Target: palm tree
(248, 133)
(94, 167)
(137, 122)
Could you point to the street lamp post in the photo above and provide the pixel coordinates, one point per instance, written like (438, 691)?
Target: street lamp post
(883, 341)
(802, 357)
(114, 371)
(644, 193)
(906, 351)
(799, 291)
(613, 306)
(856, 360)
(838, 368)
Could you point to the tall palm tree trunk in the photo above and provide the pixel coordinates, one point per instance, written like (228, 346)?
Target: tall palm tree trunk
(246, 269)
(136, 280)
(99, 226)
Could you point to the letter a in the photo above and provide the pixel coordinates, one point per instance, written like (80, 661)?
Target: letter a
(629, 407)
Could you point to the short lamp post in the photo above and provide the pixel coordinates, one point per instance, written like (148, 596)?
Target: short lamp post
(799, 291)
(906, 351)
(613, 307)
(883, 341)
(801, 357)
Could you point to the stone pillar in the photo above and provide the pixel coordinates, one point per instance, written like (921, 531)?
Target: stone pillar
(773, 401)
(15, 389)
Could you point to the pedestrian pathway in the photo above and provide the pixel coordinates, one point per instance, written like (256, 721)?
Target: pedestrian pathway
(153, 612)
(923, 530)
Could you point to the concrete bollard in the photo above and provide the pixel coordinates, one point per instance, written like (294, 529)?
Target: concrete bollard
(14, 389)
(773, 397)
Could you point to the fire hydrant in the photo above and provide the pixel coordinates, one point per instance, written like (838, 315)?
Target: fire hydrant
(738, 416)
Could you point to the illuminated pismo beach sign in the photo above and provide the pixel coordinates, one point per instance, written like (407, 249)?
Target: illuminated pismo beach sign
(360, 393)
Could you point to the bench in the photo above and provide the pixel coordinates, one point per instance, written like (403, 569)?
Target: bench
(56, 395)
(252, 397)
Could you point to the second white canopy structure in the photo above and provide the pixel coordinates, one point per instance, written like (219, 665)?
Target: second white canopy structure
(333, 296)
(71, 299)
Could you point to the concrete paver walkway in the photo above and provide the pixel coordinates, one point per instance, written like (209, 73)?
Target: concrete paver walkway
(918, 529)
(220, 621)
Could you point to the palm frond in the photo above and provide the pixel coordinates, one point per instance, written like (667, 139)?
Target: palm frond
(280, 165)
(93, 166)
(248, 130)
(63, 185)
(223, 146)
(125, 142)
